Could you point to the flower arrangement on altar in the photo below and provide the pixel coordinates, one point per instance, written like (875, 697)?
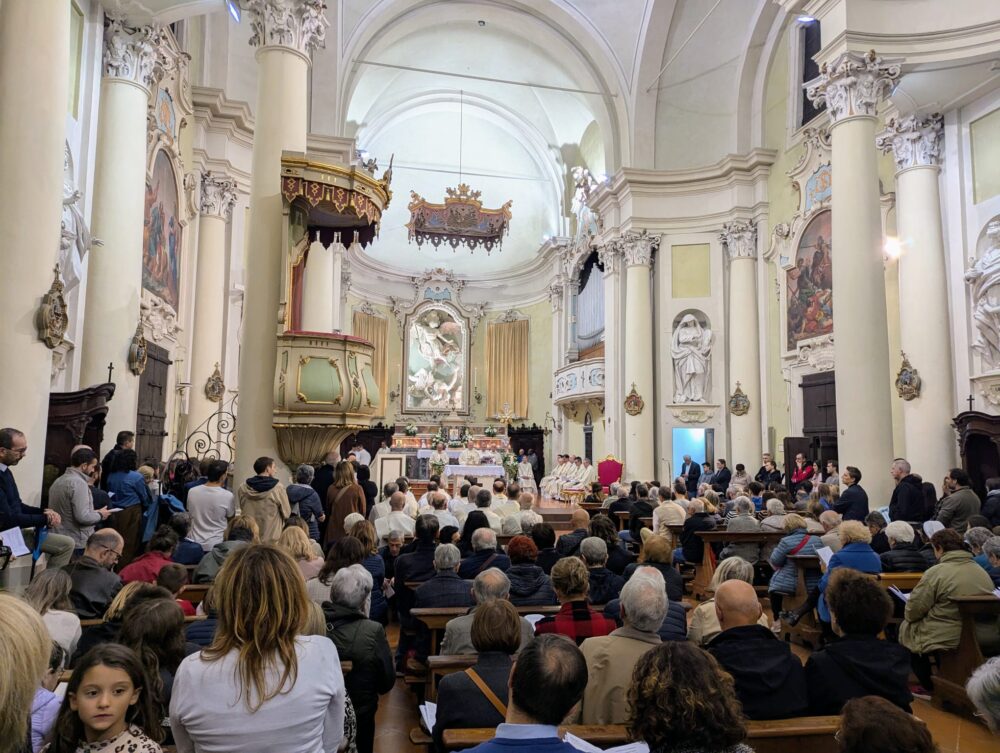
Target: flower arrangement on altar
(410, 430)
(490, 431)
(509, 462)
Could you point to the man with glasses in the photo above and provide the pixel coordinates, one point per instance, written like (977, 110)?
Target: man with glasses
(94, 585)
(15, 514)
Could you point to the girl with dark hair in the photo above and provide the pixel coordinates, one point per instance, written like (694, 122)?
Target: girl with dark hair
(344, 553)
(154, 629)
(126, 484)
(107, 706)
(474, 521)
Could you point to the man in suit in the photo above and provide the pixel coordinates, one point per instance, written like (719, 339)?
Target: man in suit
(445, 588)
(722, 475)
(15, 514)
(691, 479)
(490, 585)
(853, 502)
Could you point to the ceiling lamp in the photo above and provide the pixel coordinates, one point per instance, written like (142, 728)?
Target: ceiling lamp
(461, 218)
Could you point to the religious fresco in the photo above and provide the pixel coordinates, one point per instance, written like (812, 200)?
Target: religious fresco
(437, 344)
(810, 284)
(161, 234)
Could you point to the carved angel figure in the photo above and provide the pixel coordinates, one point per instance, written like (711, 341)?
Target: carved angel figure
(984, 279)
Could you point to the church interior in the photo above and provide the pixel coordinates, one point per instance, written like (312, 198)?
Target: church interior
(574, 271)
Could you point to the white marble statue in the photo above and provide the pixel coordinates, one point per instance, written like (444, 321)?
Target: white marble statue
(691, 349)
(984, 277)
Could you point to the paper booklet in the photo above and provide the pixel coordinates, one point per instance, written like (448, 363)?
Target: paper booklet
(428, 715)
(13, 538)
(899, 594)
(583, 745)
(824, 553)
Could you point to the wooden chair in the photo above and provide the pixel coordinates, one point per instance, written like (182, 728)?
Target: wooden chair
(955, 666)
(437, 618)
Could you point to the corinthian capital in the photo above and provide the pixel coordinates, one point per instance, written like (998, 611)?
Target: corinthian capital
(852, 85)
(914, 141)
(218, 196)
(740, 239)
(637, 248)
(298, 24)
(132, 52)
(608, 256)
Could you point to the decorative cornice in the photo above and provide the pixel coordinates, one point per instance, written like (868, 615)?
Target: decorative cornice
(915, 141)
(852, 85)
(218, 196)
(132, 53)
(297, 24)
(740, 239)
(637, 248)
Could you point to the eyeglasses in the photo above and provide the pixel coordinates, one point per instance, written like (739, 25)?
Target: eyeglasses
(114, 552)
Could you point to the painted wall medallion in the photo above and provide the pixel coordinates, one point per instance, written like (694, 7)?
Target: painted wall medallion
(633, 402)
(739, 403)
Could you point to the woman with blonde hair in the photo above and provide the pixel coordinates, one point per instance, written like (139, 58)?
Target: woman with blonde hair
(704, 621)
(295, 541)
(48, 593)
(261, 685)
(343, 497)
(25, 649)
(374, 564)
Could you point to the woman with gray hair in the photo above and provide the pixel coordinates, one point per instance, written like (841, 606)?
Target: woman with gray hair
(704, 621)
(362, 642)
(743, 521)
(991, 548)
(305, 501)
(984, 691)
(974, 540)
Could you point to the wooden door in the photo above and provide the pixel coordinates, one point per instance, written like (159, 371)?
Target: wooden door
(151, 418)
(819, 404)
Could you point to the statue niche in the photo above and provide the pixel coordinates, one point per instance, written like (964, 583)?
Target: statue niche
(691, 350)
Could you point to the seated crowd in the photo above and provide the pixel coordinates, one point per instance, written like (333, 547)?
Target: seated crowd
(256, 621)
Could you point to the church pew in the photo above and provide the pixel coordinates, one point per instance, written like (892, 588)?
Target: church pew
(622, 516)
(813, 733)
(705, 569)
(592, 508)
(445, 664)
(345, 667)
(436, 618)
(100, 620)
(955, 666)
(902, 581)
(194, 592)
(807, 632)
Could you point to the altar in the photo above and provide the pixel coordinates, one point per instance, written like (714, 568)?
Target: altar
(485, 474)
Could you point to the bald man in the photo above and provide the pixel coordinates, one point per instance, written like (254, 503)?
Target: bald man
(770, 680)
(569, 543)
(94, 585)
(396, 520)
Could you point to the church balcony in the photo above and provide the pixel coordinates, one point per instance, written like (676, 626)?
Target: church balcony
(324, 390)
(579, 381)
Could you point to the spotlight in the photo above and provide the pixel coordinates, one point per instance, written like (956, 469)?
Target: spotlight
(892, 247)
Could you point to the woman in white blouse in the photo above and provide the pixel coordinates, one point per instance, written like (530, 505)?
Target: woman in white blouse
(48, 593)
(261, 686)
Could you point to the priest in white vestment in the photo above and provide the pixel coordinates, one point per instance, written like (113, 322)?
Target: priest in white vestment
(586, 474)
(548, 484)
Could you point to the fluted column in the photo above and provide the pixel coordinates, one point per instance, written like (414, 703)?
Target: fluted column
(114, 275)
(851, 87)
(915, 142)
(740, 240)
(636, 249)
(218, 197)
(612, 349)
(34, 75)
(284, 32)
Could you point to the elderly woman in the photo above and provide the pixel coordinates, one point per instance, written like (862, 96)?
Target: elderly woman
(797, 541)
(931, 620)
(974, 540)
(704, 621)
(362, 642)
(991, 548)
(856, 553)
(743, 522)
(305, 501)
(984, 692)
(904, 555)
(529, 585)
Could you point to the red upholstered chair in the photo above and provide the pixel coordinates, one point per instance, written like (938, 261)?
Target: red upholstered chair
(609, 471)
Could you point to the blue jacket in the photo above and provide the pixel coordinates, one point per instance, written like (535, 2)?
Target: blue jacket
(674, 627)
(188, 552)
(476, 563)
(857, 556)
(129, 488)
(309, 506)
(375, 565)
(853, 503)
(526, 745)
(785, 578)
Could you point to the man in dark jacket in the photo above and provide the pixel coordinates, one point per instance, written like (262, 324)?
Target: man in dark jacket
(960, 504)
(692, 548)
(690, 471)
(362, 642)
(991, 507)
(641, 509)
(484, 555)
(446, 588)
(569, 543)
(907, 502)
(904, 555)
(604, 584)
(94, 585)
(323, 478)
(853, 502)
(124, 441)
(859, 664)
(770, 681)
(722, 475)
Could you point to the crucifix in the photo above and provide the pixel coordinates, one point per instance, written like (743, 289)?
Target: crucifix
(970, 399)
(111, 367)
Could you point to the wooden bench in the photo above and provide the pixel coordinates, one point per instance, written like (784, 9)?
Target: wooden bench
(902, 581)
(194, 592)
(436, 618)
(813, 733)
(705, 569)
(592, 508)
(807, 631)
(445, 664)
(955, 666)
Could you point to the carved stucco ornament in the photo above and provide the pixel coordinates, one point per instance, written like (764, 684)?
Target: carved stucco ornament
(51, 318)
(739, 403)
(907, 380)
(137, 352)
(215, 388)
(633, 402)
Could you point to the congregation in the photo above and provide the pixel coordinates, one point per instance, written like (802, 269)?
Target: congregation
(299, 587)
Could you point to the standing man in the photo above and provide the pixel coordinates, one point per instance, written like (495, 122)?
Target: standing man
(960, 504)
(70, 497)
(689, 469)
(361, 454)
(264, 499)
(15, 514)
(907, 502)
(211, 506)
(124, 441)
(853, 502)
(722, 475)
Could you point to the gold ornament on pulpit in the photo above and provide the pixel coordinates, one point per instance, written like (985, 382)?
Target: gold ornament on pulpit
(51, 318)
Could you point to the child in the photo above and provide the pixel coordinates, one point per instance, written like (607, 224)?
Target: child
(174, 578)
(108, 684)
(45, 707)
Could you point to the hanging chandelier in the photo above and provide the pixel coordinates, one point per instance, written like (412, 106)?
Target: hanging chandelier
(461, 219)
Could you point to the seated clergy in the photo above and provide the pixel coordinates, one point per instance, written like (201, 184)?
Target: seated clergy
(439, 509)
(770, 680)
(859, 664)
(477, 697)
(611, 658)
(548, 484)
(446, 588)
(485, 554)
(585, 475)
(604, 584)
(489, 586)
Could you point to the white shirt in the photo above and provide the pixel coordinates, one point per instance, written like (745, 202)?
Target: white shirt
(364, 457)
(211, 507)
(208, 715)
(445, 518)
(411, 506)
(394, 521)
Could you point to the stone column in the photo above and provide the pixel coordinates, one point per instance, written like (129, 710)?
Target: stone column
(558, 329)
(318, 289)
(218, 197)
(636, 249)
(285, 33)
(34, 75)
(612, 349)
(915, 142)
(740, 239)
(114, 274)
(851, 87)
